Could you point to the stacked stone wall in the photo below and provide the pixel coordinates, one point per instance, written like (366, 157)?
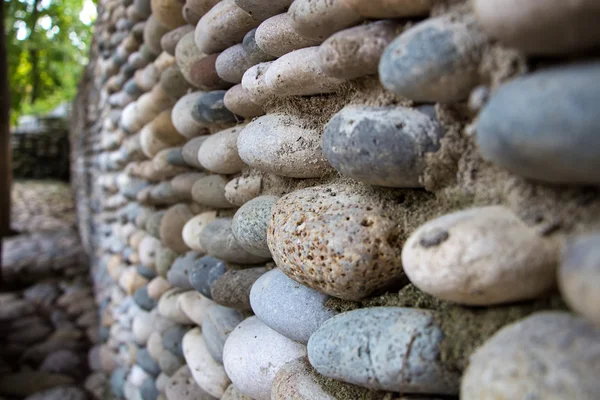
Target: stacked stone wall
(343, 199)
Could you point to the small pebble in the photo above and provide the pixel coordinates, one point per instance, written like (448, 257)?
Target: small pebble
(197, 67)
(298, 74)
(207, 373)
(383, 146)
(533, 141)
(167, 306)
(242, 189)
(191, 230)
(249, 225)
(232, 289)
(283, 145)
(548, 27)
(148, 390)
(210, 191)
(237, 100)
(254, 353)
(219, 242)
(219, 153)
(223, 26)
(182, 386)
(434, 61)
(262, 10)
(157, 287)
(204, 272)
(153, 32)
(194, 305)
(276, 36)
(209, 109)
(182, 185)
(171, 226)
(179, 271)
(172, 339)
(168, 12)
(288, 307)
(181, 116)
(232, 63)
(174, 83)
(480, 256)
(143, 300)
(383, 348)
(217, 324)
(190, 152)
(170, 39)
(355, 52)
(253, 52)
(579, 275)
(145, 361)
(254, 83)
(319, 19)
(549, 355)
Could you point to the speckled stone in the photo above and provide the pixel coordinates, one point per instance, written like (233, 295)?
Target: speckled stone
(480, 256)
(209, 109)
(283, 145)
(276, 37)
(219, 242)
(383, 348)
(244, 188)
(319, 19)
(217, 324)
(249, 225)
(337, 240)
(145, 361)
(232, 289)
(549, 355)
(190, 151)
(298, 74)
(178, 274)
(262, 10)
(219, 152)
(223, 26)
(143, 300)
(210, 191)
(253, 52)
(541, 27)
(289, 308)
(164, 259)
(254, 353)
(556, 140)
(579, 275)
(355, 52)
(232, 63)
(182, 386)
(198, 67)
(434, 61)
(208, 374)
(383, 146)
(173, 82)
(204, 272)
(237, 100)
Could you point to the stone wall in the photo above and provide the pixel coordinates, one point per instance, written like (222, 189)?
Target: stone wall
(343, 199)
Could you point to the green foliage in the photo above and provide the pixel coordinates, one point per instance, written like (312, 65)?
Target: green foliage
(47, 44)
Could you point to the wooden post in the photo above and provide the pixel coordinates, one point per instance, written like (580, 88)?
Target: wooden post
(5, 170)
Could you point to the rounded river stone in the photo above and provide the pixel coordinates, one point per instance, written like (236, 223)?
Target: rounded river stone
(218, 240)
(204, 272)
(249, 225)
(210, 109)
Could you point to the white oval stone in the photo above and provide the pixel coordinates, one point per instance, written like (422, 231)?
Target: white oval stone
(207, 373)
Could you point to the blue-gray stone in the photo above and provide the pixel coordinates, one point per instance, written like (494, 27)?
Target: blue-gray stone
(175, 157)
(436, 60)
(250, 222)
(147, 363)
(178, 274)
(545, 125)
(132, 89)
(217, 324)
(172, 339)
(146, 272)
(104, 333)
(142, 299)
(382, 146)
(117, 381)
(254, 53)
(210, 109)
(148, 390)
(383, 348)
(288, 307)
(204, 272)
